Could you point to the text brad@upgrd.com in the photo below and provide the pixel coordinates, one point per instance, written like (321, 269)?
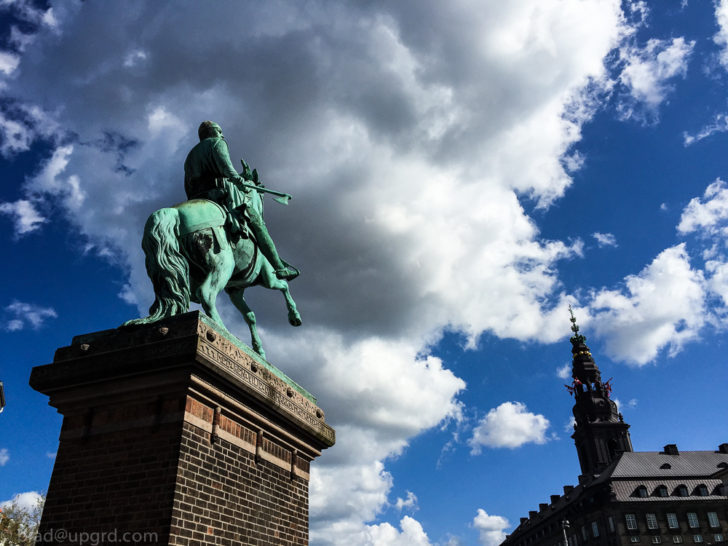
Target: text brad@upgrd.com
(95, 538)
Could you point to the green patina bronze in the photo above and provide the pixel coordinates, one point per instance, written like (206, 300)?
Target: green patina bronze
(216, 240)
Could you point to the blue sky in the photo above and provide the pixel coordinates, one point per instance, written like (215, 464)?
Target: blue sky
(461, 173)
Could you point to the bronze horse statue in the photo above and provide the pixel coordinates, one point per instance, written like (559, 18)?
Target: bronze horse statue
(190, 257)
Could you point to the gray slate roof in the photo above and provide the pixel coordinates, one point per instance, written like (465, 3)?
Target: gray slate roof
(646, 464)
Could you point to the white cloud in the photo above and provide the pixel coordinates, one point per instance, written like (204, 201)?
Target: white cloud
(25, 501)
(4, 456)
(134, 58)
(719, 125)
(24, 9)
(509, 425)
(384, 534)
(721, 37)
(707, 214)
(564, 371)
(569, 426)
(410, 503)
(16, 137)
(638, 322)
(605, 239)
(8, 62)
(24, 314)
(647, 71)
(491, 529)
(630, 404)
(26, 217)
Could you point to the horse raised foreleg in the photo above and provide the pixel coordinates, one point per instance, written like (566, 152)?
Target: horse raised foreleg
(238, 299)
(270, 280)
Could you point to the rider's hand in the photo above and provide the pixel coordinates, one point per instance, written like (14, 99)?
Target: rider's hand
(242, 181)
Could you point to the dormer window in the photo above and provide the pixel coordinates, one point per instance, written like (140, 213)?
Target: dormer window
(641, 492)
(702, 490)
(666, 466)
(681, 491)
(661, 491)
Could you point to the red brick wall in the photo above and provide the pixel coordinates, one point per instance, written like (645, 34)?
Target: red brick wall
(121, 481)
(224, 497)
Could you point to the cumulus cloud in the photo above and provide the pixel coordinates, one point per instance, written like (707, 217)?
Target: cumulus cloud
(509, 425)
(4, 456)
(410, 164)
(491, 529)
(384, 534)
(20, 315)
(707, 214)
(647, 72)
(605, 239)
(27, 501)
(638, 321)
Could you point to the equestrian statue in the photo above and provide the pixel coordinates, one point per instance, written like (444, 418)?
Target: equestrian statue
(216, 240)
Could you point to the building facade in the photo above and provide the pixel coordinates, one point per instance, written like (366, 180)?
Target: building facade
(625, 497)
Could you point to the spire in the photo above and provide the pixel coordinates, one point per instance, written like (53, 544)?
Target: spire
(600, 433)
(578, 338)
(585, 370)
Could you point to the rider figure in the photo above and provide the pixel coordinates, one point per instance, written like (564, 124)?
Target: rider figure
(209, 174)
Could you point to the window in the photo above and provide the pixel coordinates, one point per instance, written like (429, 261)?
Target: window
(652, 521)
(718, 537)
(697, 538)
(610, 523)
(677, 539)
(681, 491)
(634, 538)
(672, 521)
(657, 539)
(693, 520)
(641, 491)
(584, 534)
(661, 491)
(702, 490)
(595, 529)
(713, 519)
(631, 521)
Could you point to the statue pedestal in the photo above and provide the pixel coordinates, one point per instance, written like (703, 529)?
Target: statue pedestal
(177, 433)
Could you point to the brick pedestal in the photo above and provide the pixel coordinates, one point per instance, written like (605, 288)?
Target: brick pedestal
(177, 433)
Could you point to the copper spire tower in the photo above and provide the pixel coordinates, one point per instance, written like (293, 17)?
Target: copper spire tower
(600, 433)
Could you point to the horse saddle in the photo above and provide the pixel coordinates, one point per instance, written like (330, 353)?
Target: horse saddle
(197, 214)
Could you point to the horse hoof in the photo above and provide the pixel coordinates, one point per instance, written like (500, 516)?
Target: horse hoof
(294, 319)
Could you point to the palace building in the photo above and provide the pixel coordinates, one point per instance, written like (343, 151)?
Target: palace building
(625, 497)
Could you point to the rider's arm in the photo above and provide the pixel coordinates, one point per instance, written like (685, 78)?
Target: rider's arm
(221, 158)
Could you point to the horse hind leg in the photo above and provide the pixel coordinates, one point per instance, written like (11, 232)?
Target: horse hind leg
(219, 264)
(272, 282)
(238, 298)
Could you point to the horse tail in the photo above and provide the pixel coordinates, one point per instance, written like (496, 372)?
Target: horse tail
(166, 266)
